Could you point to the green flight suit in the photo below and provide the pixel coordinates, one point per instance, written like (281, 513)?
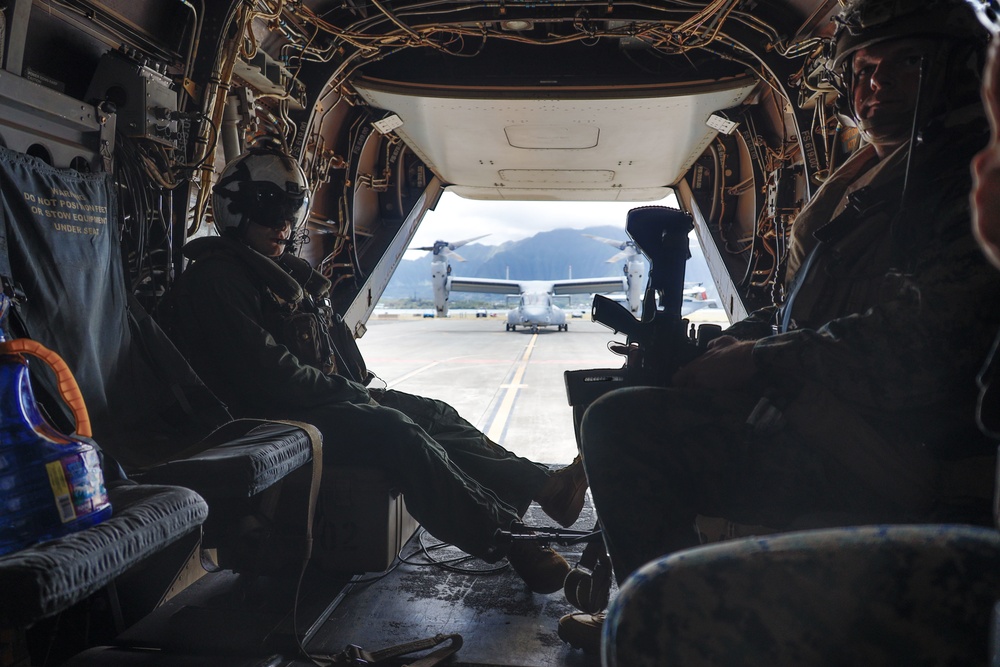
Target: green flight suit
(229, 311)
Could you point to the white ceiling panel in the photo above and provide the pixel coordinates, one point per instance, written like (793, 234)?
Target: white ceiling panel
(545, 148)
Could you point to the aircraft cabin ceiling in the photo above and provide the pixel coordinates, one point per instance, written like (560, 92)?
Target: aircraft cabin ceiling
(565, 145)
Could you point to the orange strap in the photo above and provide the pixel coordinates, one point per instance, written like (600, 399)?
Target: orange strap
(68, 388)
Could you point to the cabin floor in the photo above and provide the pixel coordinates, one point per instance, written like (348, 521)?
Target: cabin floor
(228, 620)
(501, 622)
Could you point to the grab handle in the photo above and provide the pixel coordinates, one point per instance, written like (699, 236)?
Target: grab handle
(69, 390)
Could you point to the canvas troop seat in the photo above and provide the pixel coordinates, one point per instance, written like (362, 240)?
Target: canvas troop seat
(150, 412)
(45, 579)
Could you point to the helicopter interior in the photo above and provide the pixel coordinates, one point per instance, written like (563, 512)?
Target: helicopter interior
(386, 105)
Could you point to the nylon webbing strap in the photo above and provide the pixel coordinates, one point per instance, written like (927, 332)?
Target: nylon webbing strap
(988, 406)
(168, 378)
(355, 655)
(5, 270)
(7, 283)
(315, 476)
(439, 655)
(786, 310)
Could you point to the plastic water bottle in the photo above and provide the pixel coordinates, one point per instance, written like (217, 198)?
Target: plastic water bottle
(50, 484)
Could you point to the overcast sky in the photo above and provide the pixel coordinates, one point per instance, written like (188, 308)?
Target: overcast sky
(457, 219)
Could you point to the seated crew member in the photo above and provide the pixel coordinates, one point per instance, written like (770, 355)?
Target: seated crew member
(850, 413)
(986, 206)
(249, 317)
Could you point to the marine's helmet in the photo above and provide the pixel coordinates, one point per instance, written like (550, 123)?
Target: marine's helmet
(263, 185)
(864, 23)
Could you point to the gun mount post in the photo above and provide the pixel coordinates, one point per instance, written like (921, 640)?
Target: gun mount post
(659, 343)
(661, 233)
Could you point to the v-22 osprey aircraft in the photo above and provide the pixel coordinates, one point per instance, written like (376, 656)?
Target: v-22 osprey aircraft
(536, 307)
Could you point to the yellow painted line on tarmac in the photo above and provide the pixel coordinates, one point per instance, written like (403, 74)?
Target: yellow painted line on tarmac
(510, 393)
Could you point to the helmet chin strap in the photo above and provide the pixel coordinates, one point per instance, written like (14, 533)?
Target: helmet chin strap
(241, 229)
(911, 146)
(914, 127)
(867, 125)
(244, 227)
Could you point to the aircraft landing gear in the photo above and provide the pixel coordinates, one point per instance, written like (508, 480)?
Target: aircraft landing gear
(534, 328)
(563, 327)
(511, 327)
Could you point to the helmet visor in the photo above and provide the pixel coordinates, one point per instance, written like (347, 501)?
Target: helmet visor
(271, 206)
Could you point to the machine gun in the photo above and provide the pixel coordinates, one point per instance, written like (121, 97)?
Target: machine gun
(659, 343)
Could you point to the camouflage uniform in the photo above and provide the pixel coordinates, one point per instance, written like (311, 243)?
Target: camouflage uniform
(859, 405)
(234, 316)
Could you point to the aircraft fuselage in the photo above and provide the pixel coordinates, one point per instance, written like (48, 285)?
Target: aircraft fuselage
(535, 310)
(536, 317)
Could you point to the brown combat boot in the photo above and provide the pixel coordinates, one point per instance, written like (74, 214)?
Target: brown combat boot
(541, 568)
(561, 497)
(582, 631)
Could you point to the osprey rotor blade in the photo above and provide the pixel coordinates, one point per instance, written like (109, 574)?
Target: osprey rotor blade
(617, 244)
(624, 254)
(459, 244)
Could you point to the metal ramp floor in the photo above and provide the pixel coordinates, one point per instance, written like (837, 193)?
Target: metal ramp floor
(502, 623)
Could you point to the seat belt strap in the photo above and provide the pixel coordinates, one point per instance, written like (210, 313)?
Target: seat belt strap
(355, 655)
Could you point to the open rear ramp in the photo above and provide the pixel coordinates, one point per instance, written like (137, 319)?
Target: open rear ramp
(501, 622)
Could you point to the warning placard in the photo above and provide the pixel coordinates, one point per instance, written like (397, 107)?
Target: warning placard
(68, 211)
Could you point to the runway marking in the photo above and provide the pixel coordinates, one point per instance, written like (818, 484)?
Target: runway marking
(407, 376)
(462, 359)
(499, 422)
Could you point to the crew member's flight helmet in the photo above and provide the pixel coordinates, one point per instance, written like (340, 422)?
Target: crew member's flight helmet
(864, 23)
(988, 12)
(263, 185)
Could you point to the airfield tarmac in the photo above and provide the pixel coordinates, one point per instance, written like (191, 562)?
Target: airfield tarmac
(508, 384)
